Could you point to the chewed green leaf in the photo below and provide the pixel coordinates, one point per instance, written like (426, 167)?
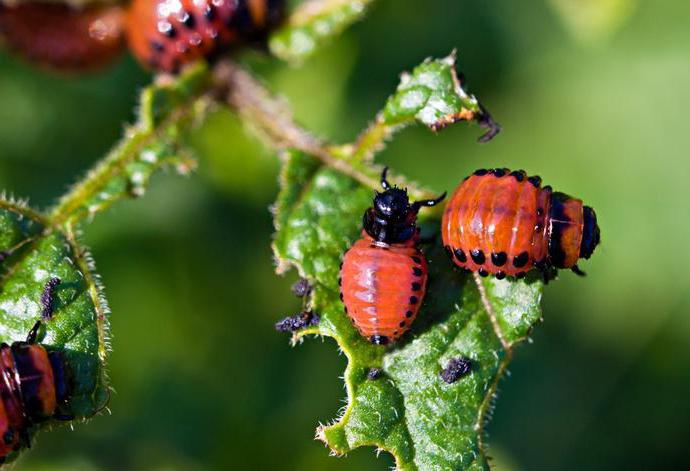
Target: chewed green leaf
(313, 24)
(409, 410)
(433, 95)
(166, 112)
(33, 253)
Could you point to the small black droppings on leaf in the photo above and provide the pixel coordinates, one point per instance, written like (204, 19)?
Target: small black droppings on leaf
(297, 322)
(301, 288)
(374, 373)
(47, 298)
(456, 369)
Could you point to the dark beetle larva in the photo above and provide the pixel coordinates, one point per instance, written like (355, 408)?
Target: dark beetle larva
(63, 38)
(383, 276)
(166, 34)
(504, 223)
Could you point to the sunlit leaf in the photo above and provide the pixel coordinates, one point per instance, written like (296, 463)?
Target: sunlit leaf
(32, 254)
(431, 94)
(314, 24)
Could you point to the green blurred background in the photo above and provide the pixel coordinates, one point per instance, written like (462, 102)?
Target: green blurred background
(592, 95)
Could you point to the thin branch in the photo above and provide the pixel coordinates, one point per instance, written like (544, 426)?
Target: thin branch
(491, 313)
(270, 117)
(136, 139)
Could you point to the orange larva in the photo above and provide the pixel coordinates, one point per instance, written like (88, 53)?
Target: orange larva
(63, 38)
(504, 223)
(383, 275)
(164, 35)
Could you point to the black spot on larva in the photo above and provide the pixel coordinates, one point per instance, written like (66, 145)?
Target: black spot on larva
(301, 288)
(416, 286)
(157, 46)
(499, 172)
(449, 251)
(519, 175)
(395, 333)
(416, 260)
(538, 228)
(402, 324)
(481, 171)
(500, 275)
(166, 28)
(483, 273)
(374, 373)
(417, 271)
(341, 265)
(340, 281)
(499, 259)
(521, 260)
(414, 299)
(540, 211)
(456, 369)
(477, 256)
(520, 275)
(341, 296)
(460, 255)
(535, 180)
(188, 20)
(345, 309)
(409, 314)
(297, 322)
(210, 12)
(379, 340)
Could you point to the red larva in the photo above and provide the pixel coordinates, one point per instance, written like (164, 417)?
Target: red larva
(383, 275)
(504, 223)
(166, 34)
(63, 38)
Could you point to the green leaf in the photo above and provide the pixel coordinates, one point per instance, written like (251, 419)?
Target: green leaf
(314, 24)
(409, 411)
(33, 253)
(433, 95)
(166, 112)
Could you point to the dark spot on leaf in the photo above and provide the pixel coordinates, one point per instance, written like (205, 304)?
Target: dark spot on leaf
(456, 369)
(297, 322)
(301, 288)
(47, 298)
(374, 373)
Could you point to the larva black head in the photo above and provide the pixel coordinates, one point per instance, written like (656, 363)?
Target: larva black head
(591, 235)
(392, 218)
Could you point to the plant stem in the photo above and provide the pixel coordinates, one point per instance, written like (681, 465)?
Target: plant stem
(270, 117)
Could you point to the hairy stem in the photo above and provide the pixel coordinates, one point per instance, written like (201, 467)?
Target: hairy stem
(272, 119)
